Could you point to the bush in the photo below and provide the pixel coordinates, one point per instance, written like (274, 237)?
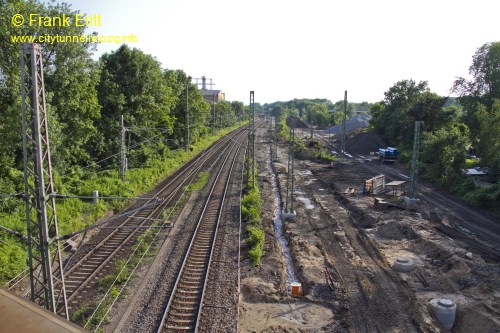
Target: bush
(255, 254)
(251, 207)
(484, 197)
(323, 154)
(255, 236)
(256, 240)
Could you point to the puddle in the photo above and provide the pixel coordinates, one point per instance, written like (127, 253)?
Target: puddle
(278, 231)
(307, 202)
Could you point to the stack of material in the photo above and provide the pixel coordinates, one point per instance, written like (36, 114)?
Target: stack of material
(375, 185)
(388, 155)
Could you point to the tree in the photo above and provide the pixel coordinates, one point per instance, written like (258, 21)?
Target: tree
(444, 153)
(390, 114)
(199, 110)
(428, 108)
(317, 114)
(70, 80)
(133, 84)
(488, 146)
(484, 86)
(224, 114)
(239, 109)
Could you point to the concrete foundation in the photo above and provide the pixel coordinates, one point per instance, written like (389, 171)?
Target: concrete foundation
(288, 216)
(411, 201)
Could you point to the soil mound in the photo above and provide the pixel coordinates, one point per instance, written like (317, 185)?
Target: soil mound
(396, 230)
(364, 143)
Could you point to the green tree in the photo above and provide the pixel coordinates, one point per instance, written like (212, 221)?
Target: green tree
(484, 86)
(488, 146)
(133, 84)
(317, 114)
(199, 109)
(70, 80)
(398, 99)
(239, 109)
(428, 108)
(444, 153)
(224, 114)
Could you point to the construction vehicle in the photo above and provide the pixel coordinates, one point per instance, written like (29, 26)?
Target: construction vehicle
(388, 155)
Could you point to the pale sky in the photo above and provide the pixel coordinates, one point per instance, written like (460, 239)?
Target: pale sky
(297, 49)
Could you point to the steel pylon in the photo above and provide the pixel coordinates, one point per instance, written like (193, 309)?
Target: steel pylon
(44, 254)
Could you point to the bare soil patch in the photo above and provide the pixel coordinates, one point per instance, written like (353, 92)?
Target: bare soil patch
(359, 245)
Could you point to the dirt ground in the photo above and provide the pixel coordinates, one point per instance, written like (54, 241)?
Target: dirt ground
(358, 246)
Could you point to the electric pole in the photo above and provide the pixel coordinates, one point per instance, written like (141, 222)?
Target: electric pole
(414, 161)
(250, 160)
(187, 115)
(344, 116)
(289, 176)
(275, 139)
(44, 254)
(122, 170)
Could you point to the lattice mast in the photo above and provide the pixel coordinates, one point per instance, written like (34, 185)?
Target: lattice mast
(122, 163)
(250, 160)
(344, 119)
(275, 138)
(44, 254)
(414, 161)
(187, 116)
(289, 176)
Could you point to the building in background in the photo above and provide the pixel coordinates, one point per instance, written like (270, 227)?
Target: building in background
(211, 95)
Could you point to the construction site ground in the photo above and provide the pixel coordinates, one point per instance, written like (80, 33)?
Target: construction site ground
(358, 244)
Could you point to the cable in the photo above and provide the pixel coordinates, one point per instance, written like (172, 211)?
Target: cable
(13, 195)
(13, 232)
(150, 128)
(67, 236)
(64, 196)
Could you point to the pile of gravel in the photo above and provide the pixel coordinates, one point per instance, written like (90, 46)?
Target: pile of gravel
(364, 143)
(359, 120)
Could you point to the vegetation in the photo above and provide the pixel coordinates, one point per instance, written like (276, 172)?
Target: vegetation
(452, 129)
(251, 208)
(318, 112)
(85, 99)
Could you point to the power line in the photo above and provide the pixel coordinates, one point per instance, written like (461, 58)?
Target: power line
(13, 232)
(64, 196)
(124, 214)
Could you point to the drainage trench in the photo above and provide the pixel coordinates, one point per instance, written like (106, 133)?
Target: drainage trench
(278, 230)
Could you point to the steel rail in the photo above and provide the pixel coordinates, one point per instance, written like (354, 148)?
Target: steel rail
(200, 232)
(123, 235)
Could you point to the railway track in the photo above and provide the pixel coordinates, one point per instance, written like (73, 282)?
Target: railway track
(85, 272)
(183, 310)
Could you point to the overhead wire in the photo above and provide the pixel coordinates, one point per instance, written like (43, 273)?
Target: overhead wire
(93, 226)
(13, 232)
(138, 263)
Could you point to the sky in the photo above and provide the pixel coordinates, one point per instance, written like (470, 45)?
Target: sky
(305, 49)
